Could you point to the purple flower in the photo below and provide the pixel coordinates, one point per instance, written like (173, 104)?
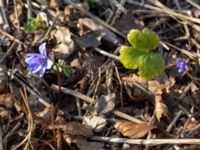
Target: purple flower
(181, 65)
(39, 62)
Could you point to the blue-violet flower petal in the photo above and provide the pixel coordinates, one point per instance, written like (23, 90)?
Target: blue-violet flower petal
(39, 62)
(181, 65)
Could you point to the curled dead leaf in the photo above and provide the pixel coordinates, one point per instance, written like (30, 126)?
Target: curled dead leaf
(19, 9)
(76, 128)
(133, 130)
(147, 89)
(90, 39)
(160, 107)
(87, 23)
(65, 45)
(62, 35)
(62, 51)
(96, 122)
(105, 104)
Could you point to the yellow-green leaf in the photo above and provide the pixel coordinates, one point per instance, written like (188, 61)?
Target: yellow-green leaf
(152, 66)
(132, 58)
(145, 40)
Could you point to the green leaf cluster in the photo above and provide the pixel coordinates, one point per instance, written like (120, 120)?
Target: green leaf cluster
(61, 66)
(140, 56)
(34, 24)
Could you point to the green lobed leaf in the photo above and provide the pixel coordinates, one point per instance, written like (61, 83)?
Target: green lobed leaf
(132, 58)
(66, 71)
(152, 66)
(145, 40)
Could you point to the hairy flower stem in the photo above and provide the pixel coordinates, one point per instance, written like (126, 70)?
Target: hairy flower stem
(59, 89)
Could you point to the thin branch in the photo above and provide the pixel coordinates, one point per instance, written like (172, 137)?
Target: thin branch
(146, 141)
(193, 4)
(106, 53)
(29, 13)
(12, 38)
(90, 100)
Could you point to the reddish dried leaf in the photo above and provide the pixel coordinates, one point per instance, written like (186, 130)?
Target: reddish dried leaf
(191, 125)
(19, 7)
(133, 130)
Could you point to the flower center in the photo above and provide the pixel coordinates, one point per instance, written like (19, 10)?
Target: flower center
(43, 60)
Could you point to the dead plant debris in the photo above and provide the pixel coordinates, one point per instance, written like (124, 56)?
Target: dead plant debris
(91, 101)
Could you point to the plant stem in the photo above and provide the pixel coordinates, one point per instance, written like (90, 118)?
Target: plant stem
(59, 89)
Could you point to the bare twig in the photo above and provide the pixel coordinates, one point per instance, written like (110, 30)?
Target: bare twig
(73, 93)
(13, 38)
(192, 131)
(119, 10)
(4, 16)
(17, 17)
(169, 128)
(40, 99)
(106, 53)
(2, 59)
(29, 13)
(173, 13)
(146, 141)
(90, 100)
(127, 117)
(193, 4)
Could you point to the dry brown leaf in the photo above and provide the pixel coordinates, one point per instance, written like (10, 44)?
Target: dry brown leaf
(76, 128)
(105, 104)
(86, 23)
(7, 100)
(191, 125)
(55, 4)
(19, 7)
(65, 45)
(63, 51)
(133, 130)
(62, 35)
(127, 22)
(90, 39)
(160, 107)
(72, 128)
(3, 77)
(146, 89)
(4, 113)
(38, 35)
(96, 122)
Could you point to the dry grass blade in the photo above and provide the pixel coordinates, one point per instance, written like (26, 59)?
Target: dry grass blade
(27, 139)
(133, 130)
